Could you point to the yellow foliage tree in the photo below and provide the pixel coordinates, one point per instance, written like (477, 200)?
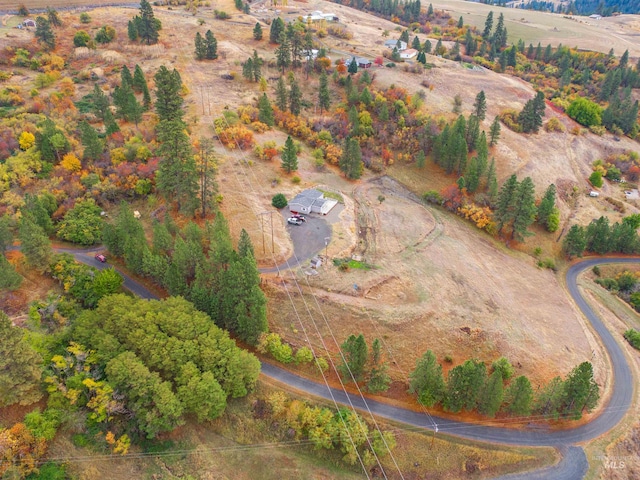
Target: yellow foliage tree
(70, 162)
(26, 140)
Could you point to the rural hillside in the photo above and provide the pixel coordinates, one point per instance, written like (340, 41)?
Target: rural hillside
(318, 236)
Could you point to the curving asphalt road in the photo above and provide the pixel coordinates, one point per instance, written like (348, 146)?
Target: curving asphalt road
(573, 464)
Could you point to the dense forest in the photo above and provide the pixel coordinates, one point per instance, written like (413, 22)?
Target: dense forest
(578, 7)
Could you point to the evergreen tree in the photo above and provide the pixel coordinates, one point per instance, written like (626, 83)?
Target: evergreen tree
(93, 147)
(550, 399)
(44, 34)
(427, 46)
(575, 242)
(404, 37)
(439, 48)
(100, 102)
(426, 380)
(430, 11)
(351, 160)
(265, 112)
(295, 96)
(420, 159)
(488, 26)
(132, 29)
(257, 66)
(480, 105)
(524, 209)
(494, 132)
(10, 279)
(35, 245)
(282, 98)
(324, 99)
(416, 43)
(519, 396)
(125, 77)
(257, 32)
(176, 178)
(464, 385)
(460, 22)
(504, 209)
(598, 236)
(379, 379)
(168, 99)
(6, 237)
(201, 48)
(547, 205)
(276, 30)
(54, 20)
(247, 69)
(491, 396)
(473, 132)
(289, 156)
(581, 391)
(483, 153)
(20, 366)
(354, 356)
(353, 66)
(283, 53)
(211, 45)
(34, 209)
(472, 175)
(147, 26)
(140, 86)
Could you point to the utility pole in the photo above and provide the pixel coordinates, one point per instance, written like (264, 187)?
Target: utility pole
(270, 213)
(326, 247)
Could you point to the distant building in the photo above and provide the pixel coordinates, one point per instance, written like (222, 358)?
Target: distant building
(360, 61)
(408, 53)
(391, 44)
(29, 23)
(595, 16)
(318, 16)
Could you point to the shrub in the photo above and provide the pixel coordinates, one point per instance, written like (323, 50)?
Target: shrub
(554, 125)
(585, 112)
(608, 283)
(596, 179)
(303, 355)
(510, 119)
(279, 200)
(432, 196)
(105, 34)
(633, 337)
(85, 17)
(597, 130)
(221, 15)
(295, 180)
(81, 39)
(272, 344)
(596, 270)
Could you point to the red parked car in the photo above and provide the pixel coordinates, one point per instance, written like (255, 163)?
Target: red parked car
(101, 258)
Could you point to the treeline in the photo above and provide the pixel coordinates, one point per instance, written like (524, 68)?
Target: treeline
(198, 264)
(472, 386)
(603, 7)
(601, 238)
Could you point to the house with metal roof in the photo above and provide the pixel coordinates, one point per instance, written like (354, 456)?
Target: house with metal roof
(311, 201)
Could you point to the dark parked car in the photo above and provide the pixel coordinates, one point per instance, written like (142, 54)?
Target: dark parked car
(101, 258)
(297, 215)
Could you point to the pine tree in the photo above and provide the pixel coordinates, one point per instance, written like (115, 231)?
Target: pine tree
(494, 132)
(10, 279)
(54, 19)
(353, 66)
(282, 99)
(201, 49)
(420, 159)
(35, 245)
(295, 96)
(176, 178)
(351, 161)
(504, 207)
(257, 32)
(283, 53)
(416, 43)
(379, 379)
(132, 29)
(247, 69)
(488, 26)
(211, 45)
(426, 380)
(276, 30)
(547, 205)
(6, 237)
(480, 105)
(472, 176)
(100, 102)
(519, 396)
(598, 236)
(354, 356)
(491, 396)
(473, 132)
(265, 112)
(581, 391)
(289, 156)
(140, 86)
(125, 77)
(427, 46)
(439, 48)
(168, 99)
(147, 26)
(464, 385)
(575, 242)
(324, 99)
(257, 67)
(44, 34)
(92, 145)
(524, 209)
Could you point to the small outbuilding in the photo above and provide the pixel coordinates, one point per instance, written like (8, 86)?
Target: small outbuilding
(29, 23)
(391, 44)
(408, 53)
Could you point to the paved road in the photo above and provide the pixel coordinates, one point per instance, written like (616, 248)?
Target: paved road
(574, 463)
